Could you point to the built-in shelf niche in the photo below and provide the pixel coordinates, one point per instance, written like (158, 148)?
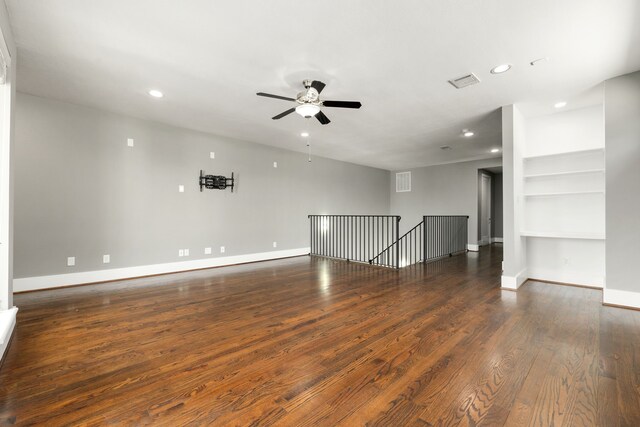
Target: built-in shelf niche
(564, 235)
(572, 162)
(565, 195)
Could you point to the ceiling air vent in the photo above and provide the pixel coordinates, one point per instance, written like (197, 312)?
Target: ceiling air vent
(465, 81)
(403, 182)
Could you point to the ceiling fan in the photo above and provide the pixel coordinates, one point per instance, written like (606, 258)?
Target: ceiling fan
(309, 102)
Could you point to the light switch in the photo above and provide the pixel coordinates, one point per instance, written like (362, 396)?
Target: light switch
(221, 249)
(71, 261)
(212, 155)
(180, 252)
(130, 142)
(181, 188)
(106, 259)
(186, 252)
(275, 244)
(275, 164)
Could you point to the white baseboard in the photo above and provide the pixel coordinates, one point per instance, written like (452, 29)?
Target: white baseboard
(58, 280)
(7, 323)
(621, 298)
(514, 282)
(472, 247)
(572, 278)
(496, 240)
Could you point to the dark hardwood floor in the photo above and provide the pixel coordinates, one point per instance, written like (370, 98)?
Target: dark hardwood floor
(309, 341)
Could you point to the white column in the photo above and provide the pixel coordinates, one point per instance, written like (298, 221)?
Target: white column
(513, 138)
(6, 172)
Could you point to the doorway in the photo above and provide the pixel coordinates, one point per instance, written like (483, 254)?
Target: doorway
(484, 208)
(490, 205)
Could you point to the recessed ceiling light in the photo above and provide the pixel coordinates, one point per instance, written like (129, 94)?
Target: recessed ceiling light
(539, 61)
(467, 133)
(495, 150)
(560, 104)
(156, 93)
(500, 68)
(304, 134)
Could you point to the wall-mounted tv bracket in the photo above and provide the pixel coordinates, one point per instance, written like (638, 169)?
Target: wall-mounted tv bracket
(215, 182)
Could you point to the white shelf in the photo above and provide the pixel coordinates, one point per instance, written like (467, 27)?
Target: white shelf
(565, 193)
(566, 153)
(564, 235)
(578, 172)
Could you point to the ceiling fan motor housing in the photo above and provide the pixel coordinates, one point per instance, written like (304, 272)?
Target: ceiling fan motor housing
(310, 96)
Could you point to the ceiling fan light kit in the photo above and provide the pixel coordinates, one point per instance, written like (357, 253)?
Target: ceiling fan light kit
(307, 110)
(309, 102)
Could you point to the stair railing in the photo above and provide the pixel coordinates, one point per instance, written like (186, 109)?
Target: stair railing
(352, 237)
(374, 238)
(444, 235)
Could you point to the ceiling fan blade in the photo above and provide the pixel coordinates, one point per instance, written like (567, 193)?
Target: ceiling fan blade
(281, 115)
(268, 95)
(322, 118)
(318, 85)
(342, 104)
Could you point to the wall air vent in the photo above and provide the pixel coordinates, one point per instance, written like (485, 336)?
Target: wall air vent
(403, 182)
(464, 81)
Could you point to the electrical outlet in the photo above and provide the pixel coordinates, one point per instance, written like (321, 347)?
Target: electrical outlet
(181, 188)
(186, 252)
(106, 259)
(71, 261)
(212, 155)
(180, 252)
(275, 164)
(275, 244)
(222, 249)
(130, 142)
(207, 251)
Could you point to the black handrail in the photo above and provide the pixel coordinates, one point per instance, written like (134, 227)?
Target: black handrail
(405, 251)
(352, 237)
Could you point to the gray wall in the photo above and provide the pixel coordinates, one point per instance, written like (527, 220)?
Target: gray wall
(80, 191)
(450, 189)
(496, 205)
(622, 135)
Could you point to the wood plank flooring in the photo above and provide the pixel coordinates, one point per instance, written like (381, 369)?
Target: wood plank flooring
(310, 341)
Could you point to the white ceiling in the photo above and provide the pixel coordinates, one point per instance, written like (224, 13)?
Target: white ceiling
(588, 98)
(211, 57)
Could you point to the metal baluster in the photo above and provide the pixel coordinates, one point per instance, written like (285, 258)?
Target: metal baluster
(334, 246)
(341, 242)
(377, 249)
(331, 231)
(339, 237)
(311, 234)
(441, 235)
(351, 238)
(415, 247)
(360, 239)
